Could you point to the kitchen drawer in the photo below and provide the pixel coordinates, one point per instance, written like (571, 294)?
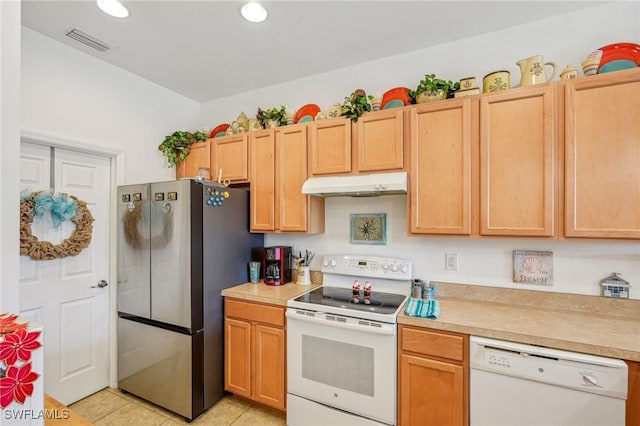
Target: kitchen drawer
(256, 312)
(440, 344)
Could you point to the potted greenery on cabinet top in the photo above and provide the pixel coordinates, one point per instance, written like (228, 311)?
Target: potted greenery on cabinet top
(272, 117)
(355, 105)
(176, 146)
(432, 88)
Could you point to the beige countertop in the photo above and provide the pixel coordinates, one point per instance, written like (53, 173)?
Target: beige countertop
(588, 324)
(275, 295)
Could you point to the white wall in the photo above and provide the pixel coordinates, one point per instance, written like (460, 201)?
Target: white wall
(73, 96)
(9, 153)
(578, 264)
(564, 39)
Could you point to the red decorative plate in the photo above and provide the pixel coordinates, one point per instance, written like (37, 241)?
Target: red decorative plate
(396, 97)
(306, 113)
(619, 56)
(220, 130)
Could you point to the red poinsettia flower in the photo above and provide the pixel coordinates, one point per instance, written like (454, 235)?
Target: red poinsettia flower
(8, 324)
(17, 384)
(18, 345)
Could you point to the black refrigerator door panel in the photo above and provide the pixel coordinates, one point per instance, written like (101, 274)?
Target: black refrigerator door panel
(161, 366)
(228, 248)
(134, 285)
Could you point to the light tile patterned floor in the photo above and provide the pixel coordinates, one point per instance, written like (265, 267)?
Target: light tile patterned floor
(110, 407)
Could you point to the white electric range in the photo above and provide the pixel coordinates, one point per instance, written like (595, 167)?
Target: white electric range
(341, 344)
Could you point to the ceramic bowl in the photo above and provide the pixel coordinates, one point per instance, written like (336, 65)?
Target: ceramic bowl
(396, 97)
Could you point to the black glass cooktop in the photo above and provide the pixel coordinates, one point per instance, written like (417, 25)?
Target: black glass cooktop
(383, 303)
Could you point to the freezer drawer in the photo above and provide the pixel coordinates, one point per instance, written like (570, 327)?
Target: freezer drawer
(161, 366)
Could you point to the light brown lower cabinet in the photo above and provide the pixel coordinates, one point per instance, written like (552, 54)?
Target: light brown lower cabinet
(433, 377)
(633, 395)
(255, 365)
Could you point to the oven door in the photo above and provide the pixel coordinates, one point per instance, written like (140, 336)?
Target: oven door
(342, 362)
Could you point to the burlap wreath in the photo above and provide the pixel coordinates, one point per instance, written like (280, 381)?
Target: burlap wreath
(44, 250)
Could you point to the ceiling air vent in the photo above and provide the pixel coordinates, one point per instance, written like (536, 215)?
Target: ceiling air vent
(89, 40)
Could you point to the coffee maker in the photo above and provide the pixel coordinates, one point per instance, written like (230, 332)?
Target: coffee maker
(277, 265)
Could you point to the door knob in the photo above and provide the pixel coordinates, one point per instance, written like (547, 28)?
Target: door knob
(101, 284)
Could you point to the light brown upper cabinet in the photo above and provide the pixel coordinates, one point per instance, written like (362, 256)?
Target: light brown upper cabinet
(278, 170)
(379, 143)
(199, 156)
(602, 156)
(518, 145)
(262, 186)
(295, 211)
(442, 137)
(375, 143)
(230, 158)
(330, 147)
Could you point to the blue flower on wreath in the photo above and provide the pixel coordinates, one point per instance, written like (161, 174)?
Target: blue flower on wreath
(61, 207)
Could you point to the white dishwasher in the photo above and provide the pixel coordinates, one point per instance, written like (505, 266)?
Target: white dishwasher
(514, 384)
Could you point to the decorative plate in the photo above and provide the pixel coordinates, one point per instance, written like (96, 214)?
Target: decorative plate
(619, 56)
(396, 97)
(220, 130)
(306, 113)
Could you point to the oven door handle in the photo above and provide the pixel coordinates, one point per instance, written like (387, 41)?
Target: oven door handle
(320, 319)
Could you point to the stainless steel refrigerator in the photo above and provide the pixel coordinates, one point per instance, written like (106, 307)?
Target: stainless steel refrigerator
(179, 244)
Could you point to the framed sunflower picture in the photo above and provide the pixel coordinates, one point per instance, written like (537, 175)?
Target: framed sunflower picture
(369, 228)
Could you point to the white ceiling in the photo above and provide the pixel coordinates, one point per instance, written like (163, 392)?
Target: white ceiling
(204, 50)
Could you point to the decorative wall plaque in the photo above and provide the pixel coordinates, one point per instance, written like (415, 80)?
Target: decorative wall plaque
(533, 267)
(369, 228)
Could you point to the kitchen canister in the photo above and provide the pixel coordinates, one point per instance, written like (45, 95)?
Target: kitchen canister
(304, 276)
(496, 81)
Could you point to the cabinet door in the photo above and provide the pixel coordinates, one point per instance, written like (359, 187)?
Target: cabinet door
(517, 151)
(291, 171)
(262, 180)
(237, 357)
(230, 158)
(379, 141)
(199, 156)
(602, 156)
(330, 147)
(269, 366)
(430, 392)
(633, 395)
(441, 168)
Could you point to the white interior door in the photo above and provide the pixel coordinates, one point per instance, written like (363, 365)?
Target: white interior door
(61, 294)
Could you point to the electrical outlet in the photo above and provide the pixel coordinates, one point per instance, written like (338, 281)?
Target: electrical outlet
(451, 261)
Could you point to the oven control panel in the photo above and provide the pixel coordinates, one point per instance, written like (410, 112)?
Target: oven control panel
(365, 265)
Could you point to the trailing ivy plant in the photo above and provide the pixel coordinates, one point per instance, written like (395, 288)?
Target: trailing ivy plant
(275, 114)
(430, 83)
(176, 146)
(355, 105)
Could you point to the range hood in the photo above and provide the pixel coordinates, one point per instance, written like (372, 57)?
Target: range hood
(360, 185)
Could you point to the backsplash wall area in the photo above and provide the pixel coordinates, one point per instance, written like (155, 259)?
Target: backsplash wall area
(578, 264)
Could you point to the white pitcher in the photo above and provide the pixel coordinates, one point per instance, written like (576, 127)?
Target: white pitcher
(532, 70)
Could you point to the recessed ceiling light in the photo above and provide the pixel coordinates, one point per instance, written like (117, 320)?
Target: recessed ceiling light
(113, 8)
(253, 12)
